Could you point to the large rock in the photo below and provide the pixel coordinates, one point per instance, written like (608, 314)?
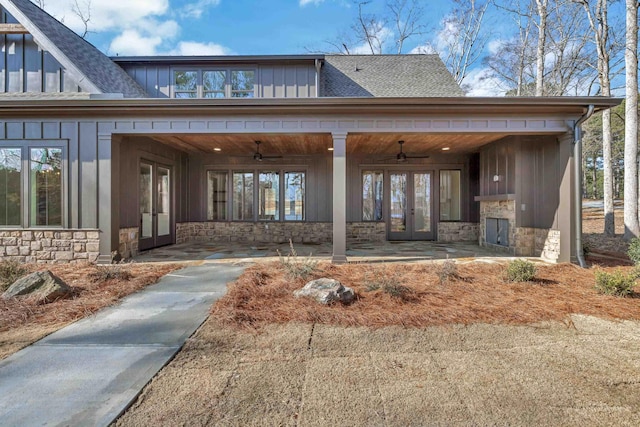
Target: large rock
(43, 285)
(326, 291)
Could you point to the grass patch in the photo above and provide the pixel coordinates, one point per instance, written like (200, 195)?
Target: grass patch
(297, 267)
(10, 271)
(103, 273)
(479, 293)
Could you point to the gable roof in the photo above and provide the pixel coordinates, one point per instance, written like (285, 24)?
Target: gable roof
(387, 76)
(93, 71)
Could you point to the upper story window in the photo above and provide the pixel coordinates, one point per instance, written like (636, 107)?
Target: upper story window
(208, 83)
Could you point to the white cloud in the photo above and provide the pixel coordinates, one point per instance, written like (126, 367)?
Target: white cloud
(424, 49)
(108, 15)
(480, 82)
(306, 2)
(195, 10)
(132, 43)
(188, 48)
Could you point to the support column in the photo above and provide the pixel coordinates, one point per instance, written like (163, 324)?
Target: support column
(108, 200)
(339, 197)
(566, 207)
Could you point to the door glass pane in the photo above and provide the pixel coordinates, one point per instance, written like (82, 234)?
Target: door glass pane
(164, 202)
(243, 196)
(269, 196)
(398, 183)
(450, 195)
(217, 194)
(294, 196)
(422, 202)
(46, 186)
(10, 171)
(146, 199)
(372, 196)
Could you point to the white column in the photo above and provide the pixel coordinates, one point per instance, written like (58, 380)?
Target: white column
(339, 197)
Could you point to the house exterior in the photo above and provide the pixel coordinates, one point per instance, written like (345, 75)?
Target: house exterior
(104, 155)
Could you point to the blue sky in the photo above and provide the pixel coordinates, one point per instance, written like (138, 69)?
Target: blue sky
(136, 27)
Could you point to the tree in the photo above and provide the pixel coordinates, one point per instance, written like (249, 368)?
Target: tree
(462, 37)
(83, 12)
(406, 16)
(599, 23)
(541, 8)
(631, 223)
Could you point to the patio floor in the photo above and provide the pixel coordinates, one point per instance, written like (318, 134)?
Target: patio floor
(415, 251)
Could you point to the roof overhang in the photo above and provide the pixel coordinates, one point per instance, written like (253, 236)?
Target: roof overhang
(235, 59)
(565, 106)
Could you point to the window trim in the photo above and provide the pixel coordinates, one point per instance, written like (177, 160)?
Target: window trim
(25, 180)
(200, 70)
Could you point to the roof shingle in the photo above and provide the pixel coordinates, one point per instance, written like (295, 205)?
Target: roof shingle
(387, 76)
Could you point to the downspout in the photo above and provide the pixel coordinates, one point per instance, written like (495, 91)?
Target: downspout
(577, 155)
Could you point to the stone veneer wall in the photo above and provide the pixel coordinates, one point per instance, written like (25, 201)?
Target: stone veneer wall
(458, 231)
(50, 246)
(504, 209)
(276, 232)
(540, 242)
(128, 245)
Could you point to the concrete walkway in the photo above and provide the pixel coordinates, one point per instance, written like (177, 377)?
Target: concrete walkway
(89, 372)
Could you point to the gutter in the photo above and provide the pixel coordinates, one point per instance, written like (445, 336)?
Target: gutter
(577, 155)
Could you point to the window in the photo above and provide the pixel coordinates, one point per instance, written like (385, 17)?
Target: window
(217, 196)
(263, 204)
(450, 195)
(372, 186)
(243, 196)
(10, 182)
(214, 83)
(269, 196)
(294, 196)
(242, 84)
(186, 84)
(46, 186)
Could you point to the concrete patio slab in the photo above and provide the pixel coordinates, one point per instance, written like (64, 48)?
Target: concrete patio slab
(89, 372)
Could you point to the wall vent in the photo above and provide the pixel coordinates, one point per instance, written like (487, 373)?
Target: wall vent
(497, 231)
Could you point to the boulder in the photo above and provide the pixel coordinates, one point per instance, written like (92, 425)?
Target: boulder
(325, 291)
(43, 285)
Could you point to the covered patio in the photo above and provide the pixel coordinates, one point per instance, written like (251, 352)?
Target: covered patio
(414, 251)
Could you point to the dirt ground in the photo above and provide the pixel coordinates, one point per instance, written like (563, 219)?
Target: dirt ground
(587, 373)
(24, 321)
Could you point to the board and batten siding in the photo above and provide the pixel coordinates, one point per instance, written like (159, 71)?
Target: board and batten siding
(25, 67)
(272, 81)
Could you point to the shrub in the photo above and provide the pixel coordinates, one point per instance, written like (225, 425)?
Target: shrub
(447, 270)
(586, 249)
(617, 283)
(399, 291)
(295, 267)
(10, 271)
(102, 273)
(634, 250)
(521, 270)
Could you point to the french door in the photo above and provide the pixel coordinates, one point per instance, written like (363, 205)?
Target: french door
(411, 206)
(155, 198)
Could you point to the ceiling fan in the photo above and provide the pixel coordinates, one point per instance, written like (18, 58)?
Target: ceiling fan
(258, 157)
(402, 157)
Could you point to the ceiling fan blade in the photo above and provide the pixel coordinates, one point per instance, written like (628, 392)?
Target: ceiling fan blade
(417, 157)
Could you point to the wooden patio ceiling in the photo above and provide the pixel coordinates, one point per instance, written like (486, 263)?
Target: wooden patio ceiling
(315, 144)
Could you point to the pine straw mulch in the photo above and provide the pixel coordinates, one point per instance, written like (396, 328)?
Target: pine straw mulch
(90, 294)
(477, 294)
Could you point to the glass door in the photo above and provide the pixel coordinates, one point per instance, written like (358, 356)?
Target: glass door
(156, 219)
(411, 206)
